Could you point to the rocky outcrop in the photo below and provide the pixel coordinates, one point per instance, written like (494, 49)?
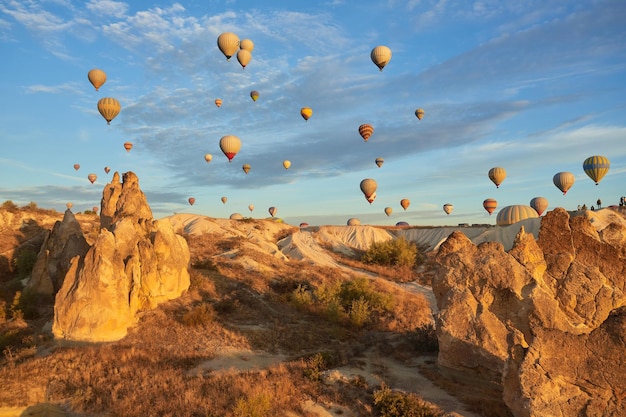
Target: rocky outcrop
(545, 320)
(135, 263)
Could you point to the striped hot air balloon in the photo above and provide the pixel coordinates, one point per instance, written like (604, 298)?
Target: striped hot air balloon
(230, 145)
(497, 175)
(563, 181)
(490, 205)
(366, 130)
(540, 204)
(228, 44)
(513, 214)
(596, 167)
(109, 108)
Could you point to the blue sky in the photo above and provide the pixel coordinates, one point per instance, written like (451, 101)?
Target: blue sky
(535, 87)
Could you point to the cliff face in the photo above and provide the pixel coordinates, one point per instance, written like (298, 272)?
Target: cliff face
(545, 320)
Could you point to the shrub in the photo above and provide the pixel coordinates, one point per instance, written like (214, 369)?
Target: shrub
(258, 405)
(25, 262)
(10, 206)
(359, 312)
(301, 296)
(394, 252)
(399, 404)
(361, 287)
(424, 339)
(199, 315)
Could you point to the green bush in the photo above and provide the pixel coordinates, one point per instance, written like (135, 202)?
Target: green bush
(301, 296)
(399, 404)
(361, 287)
(10, 206)
(258, 405)
(199, 315)
(394, 252)
(359, 312)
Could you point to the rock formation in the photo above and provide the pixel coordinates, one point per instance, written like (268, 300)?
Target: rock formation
(547, 320)
(135, 263)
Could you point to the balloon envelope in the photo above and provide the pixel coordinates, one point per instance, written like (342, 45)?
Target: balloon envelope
(497, 175)
(228, 43)
(76, 167)
(218, 102)
(596, 167)
(272, 211)
(97, 77)
(208, 157)
(224, 200)
(306, 112)
(447, 208)
(402, 224)
(563, 181)
(368, 187)
(490, 205)
(513, 214)
(69, 205)
(404, 203)
(540, 204)
(107, 170)
(244, 57)
(380, 55)
(246, 44)
(366, 130)
(304, 224)
(388, 211)
(419, 113)
(379, 162)
(254, 95)
(246, 168)
(230, 145)
(251, 207)
(236, 216)
(92, 178)
(191, 200)
(353, 221)
(109, 108)
(128, 146)
(286, 164)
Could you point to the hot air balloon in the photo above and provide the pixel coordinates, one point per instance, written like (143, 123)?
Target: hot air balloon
(191, 200)
(540, 204)
(419, 113)
(109, 108)
(92, 178)
(513, 214)
(490, 205)
(254, 94)
(353, 221)
(230, 145)
(596, 167)
(228, 43)
(97, 77)
(76, 167)
(236, 216)
(388, 211)
(402, 224)
(272, 211)
(69, 205)
(218, 102)
(246, 168)
(368, 187)
(379, 162)
(380, 55)
(306, 112)
(497, 175)
(303, 225)
(448, 208)
(107, 170)
(244, 57)
(563, 181)
(366, 130)
(404, 203)
(95, 209)
(128, 146)
(208, 157)
(286, 164)
(224, 199)
(246, 44)
(251, 207)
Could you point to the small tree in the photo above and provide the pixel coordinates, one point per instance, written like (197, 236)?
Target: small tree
(394, 252)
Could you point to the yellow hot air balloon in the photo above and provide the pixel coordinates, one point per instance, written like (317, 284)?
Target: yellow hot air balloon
(191, 200)
(286, 164)
(563, 181)
(306, 112)
(208, 157)
(353, 221)
(380, 55)
(368, 188)
(246, 44)
(246, 168)
(272, 211)
(76, 167)
(107, 170)
(92, 178)
(128, 146)
(404, 203)
(419, 113)
(244, 57)
(69, 205)
(513, 214)
(254, 95)
(251, 207)
(379, 162)
(218, 102)
(497, 175)
(490, 205)
(109, 108)
(228, 43)
(596, 167)
(388, 211)
(97, 77)
(224, 200)
(230, 145)
(366, 130)
(540, 204)
(447, 208)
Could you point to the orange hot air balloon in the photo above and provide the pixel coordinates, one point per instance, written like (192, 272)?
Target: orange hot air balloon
(228, 44)
(388, 211)
(218, 102)
(92, 178)
(191, 200)
(379, 162)
(208, 157)
(246, 44)
(224, 200)
(404, 203)
(490, 205)
(97, 77)
(230, 145)
(306, 112)
(497, 175)
(107, 170)
(303, 225)
(273, 211)
(380, 55)
(419, 113)
(246, 168)
(128, 146)
(286, 164)
(76, 167)
(109, 108)
(254, 95)
(244, 57)
(366, 130)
